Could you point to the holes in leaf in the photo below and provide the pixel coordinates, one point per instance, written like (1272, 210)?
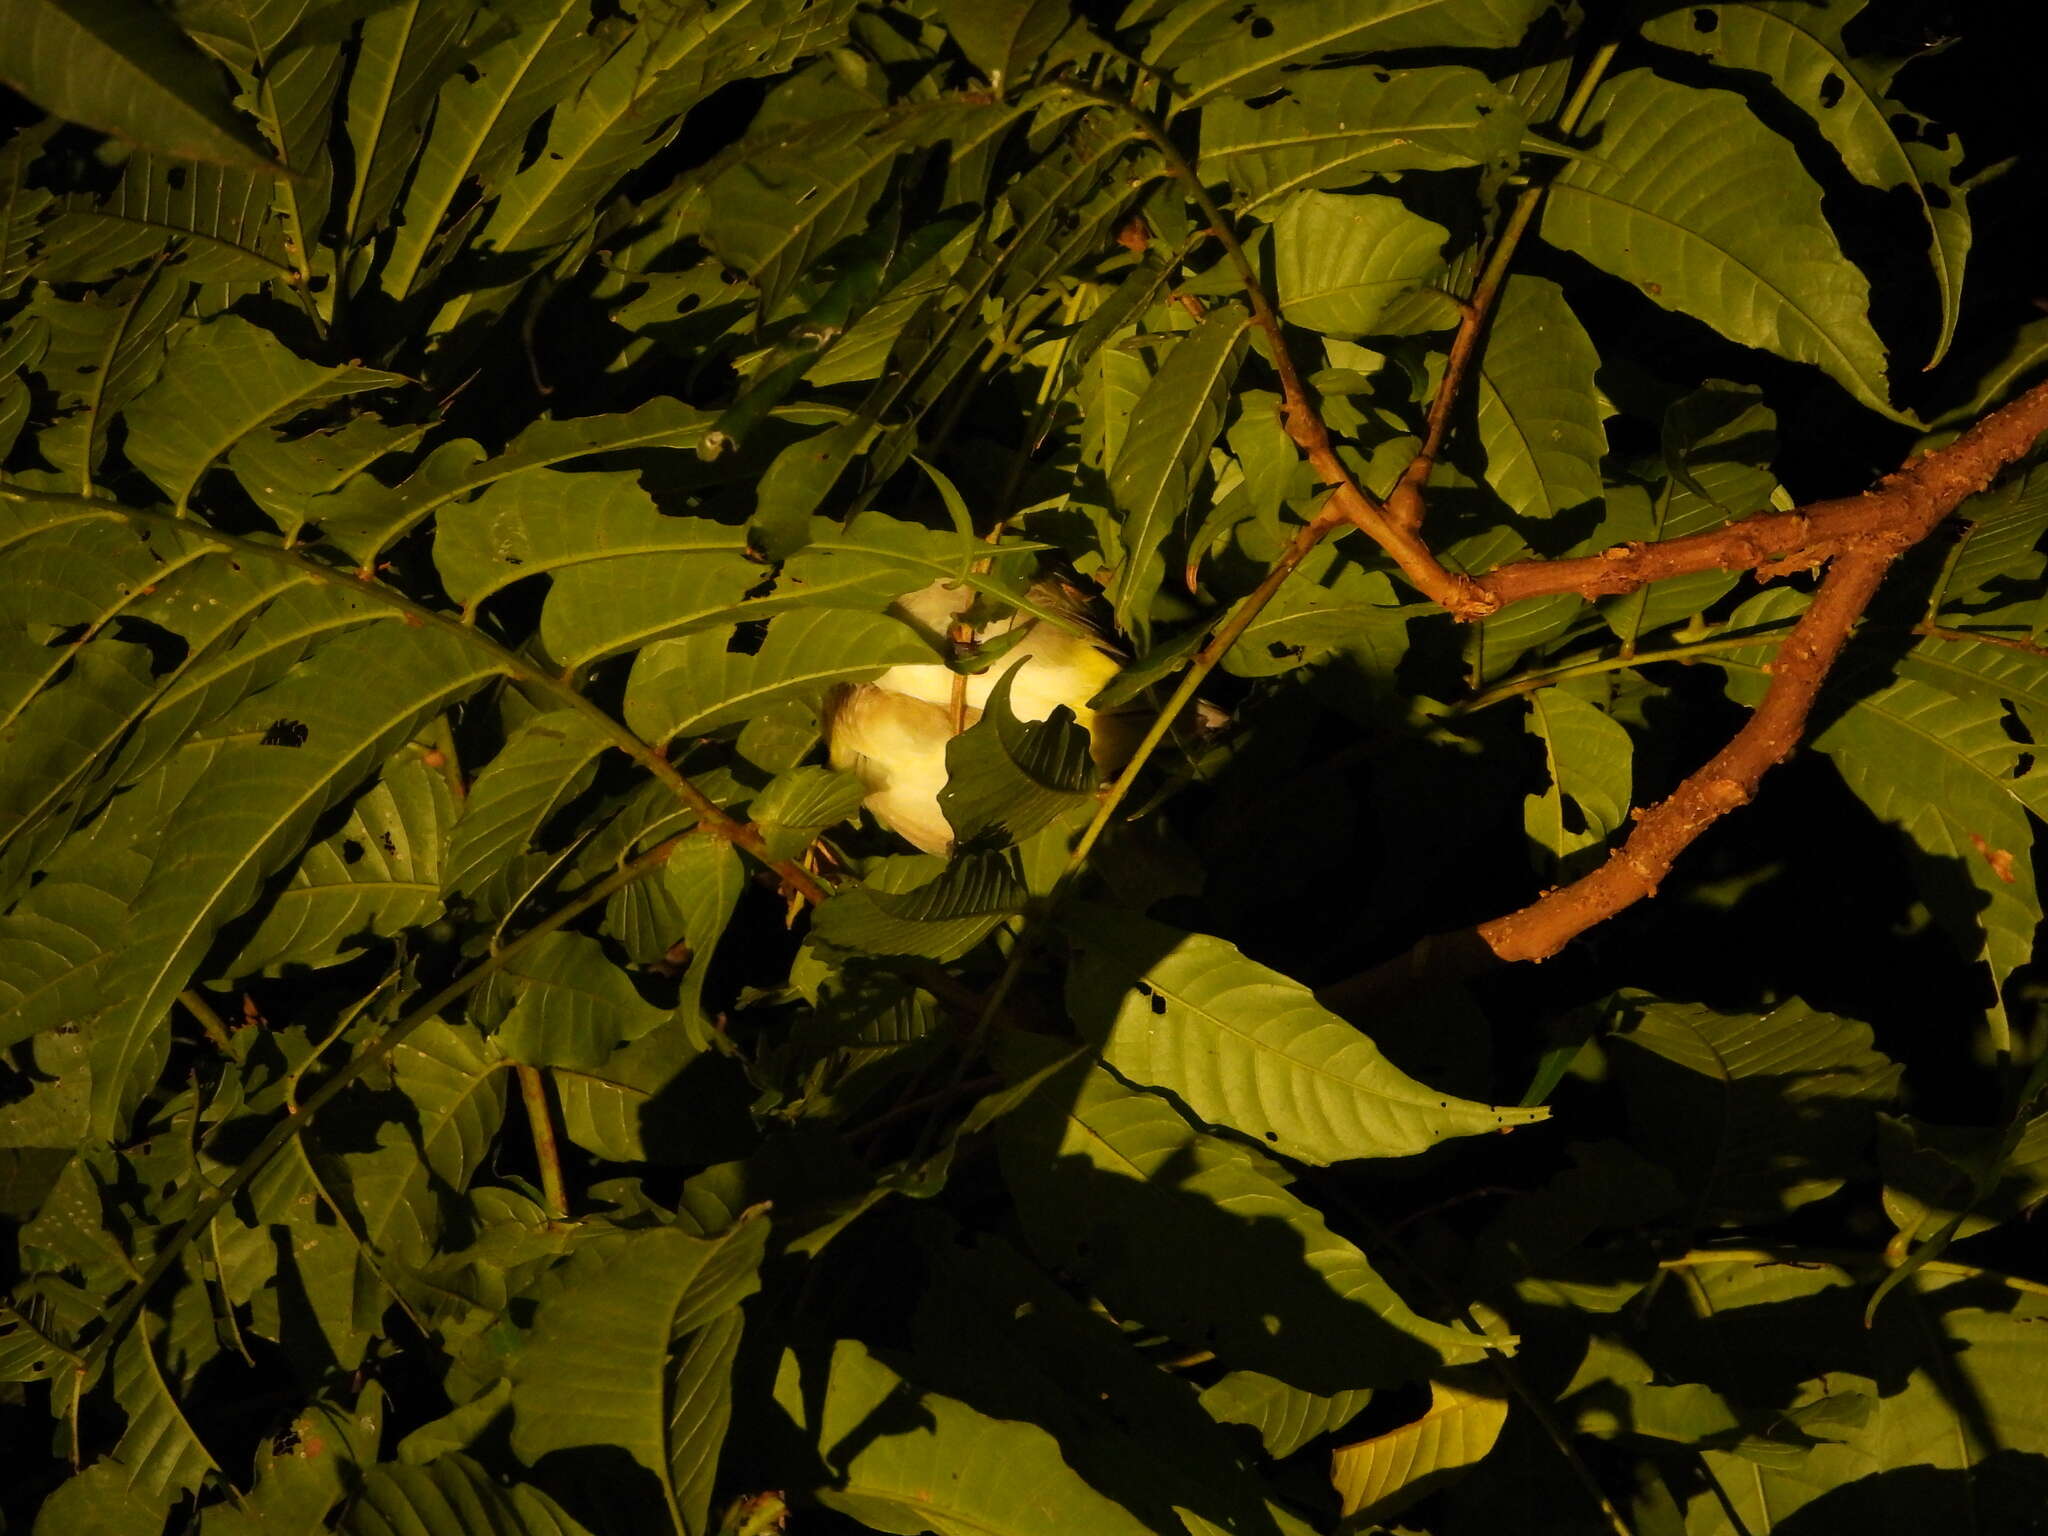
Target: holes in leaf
(1158, 1004)
(1704, 20)
(389, 844)
(1272, 1135)
(351, 851)
(1831, 88)
(1261, 102)
(745, 640)
(1261, 28)
(1937, 197)
(167, 649)
(2016, 730)
(176, 178)
(286, 733)
(1382, 77)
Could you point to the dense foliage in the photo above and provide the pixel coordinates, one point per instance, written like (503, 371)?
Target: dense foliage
(471, 1067)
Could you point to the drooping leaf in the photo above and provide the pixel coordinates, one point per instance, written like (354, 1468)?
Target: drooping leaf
(942, 918)
(1341, 259)
(1710, 214)
(1201, 1238)
(1844, 90)
(700, 682)
(1171, 431)
(1539, 410)
(491, 857)
(1246, 1048)
(959, 1473)
(123, 67)
(1764, 1113)
(600, 1366)
(1011, 777)
(1376, 1478)
(1588, 754)
(222, 382)
(1287, 1418)
(572, 1006)
(1343, 127)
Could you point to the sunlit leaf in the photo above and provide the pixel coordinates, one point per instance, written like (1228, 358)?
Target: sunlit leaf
(1248, 1049)
(1710, 214)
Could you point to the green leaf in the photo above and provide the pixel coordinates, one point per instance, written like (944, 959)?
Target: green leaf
(1944, 770)
(1008, 777)
(1171, 431)
(1246, 1048)
(2005, 526)
(1379, 1477)
(1801, 48)
(943, 918)
(956, 1473)
(377, 876)
(547, 761)
(238, 804)
(1286, 1418)
(123, 67)
(1763, 1113)
(612, 1345)
(1201, 1238)
(406, 53)
(622, 574)
(1214, 47)
(1339, 261)
(222, 382)
(1710, 214)
(1354, 124)
(1589, 757)
(1004, 39)
(481, 118)
(101, 1501)
(209, 223)
(573, 1006)
(159, 1446)
(452, 1496)
(690, 686)
(1539, 408)
(632, 101)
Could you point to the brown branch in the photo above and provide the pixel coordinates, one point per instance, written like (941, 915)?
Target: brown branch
(1298, 414)
(1903, 509)
(1890, 517)
(1729, 779)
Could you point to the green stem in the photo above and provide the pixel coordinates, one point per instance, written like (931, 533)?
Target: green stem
(210, 1022)
(1532, 681)
(290, 1127)
(540, 1120)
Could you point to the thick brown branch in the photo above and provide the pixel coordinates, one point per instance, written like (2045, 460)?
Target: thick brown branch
(1730, 779)
(1890, 517)
(1863, 535)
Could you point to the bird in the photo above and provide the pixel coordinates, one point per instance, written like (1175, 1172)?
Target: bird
(892, 732)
